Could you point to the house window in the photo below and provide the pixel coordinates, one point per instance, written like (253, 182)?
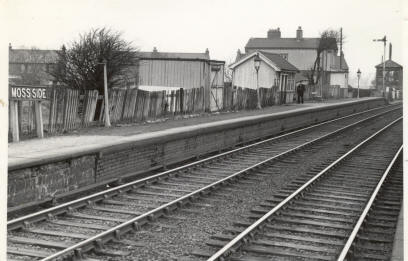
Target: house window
(23, 68)
(391, 76)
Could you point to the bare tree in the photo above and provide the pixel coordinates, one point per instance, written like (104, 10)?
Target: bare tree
(328, 41)
(79, 65)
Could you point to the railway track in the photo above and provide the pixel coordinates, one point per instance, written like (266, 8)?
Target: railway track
(90, 222)
(320, 219)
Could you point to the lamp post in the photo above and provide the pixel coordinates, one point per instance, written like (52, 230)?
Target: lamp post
(257, 64)
(105, 90)
(384, 39)
(358, 83)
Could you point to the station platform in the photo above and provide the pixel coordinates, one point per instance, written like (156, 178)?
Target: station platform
(42, 169)
(33, 151)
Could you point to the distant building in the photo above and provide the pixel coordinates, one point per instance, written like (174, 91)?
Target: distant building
(152, 70)
(393, 75)
(31, 66)
(301, 52)
(274, 71)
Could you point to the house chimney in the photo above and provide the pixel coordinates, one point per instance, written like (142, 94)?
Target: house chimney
(10, 47)
(154, 49)
(274, 33)
(299, 33)
(390, 53)
(239, 54)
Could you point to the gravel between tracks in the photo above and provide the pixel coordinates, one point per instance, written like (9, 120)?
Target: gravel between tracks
(177, 236)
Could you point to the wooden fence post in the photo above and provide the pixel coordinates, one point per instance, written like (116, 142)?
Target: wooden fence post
(39, 119)
(181, 100)
(14, 120)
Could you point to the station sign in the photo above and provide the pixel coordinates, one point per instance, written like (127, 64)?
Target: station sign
(21, 92)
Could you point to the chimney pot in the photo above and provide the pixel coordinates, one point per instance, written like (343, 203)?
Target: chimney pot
(154, 49)
(299, 33)
(390, 52)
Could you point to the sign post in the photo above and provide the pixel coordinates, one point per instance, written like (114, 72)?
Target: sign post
(38, 119)
(14, 121)
(27, 93)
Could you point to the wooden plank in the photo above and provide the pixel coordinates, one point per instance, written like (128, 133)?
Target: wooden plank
(146, 106)
(38, 119)
(53, 110)
(121, 211)
(27, 252)
(85, 105)
(275, 251)
(64, 115)
(83, 225)
(57, 233)
(94, 217)
(38, 242)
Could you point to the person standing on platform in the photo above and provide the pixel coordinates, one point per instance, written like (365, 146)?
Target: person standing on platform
(300, 90)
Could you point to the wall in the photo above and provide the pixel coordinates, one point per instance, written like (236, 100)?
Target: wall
(176, 73)
(245, 75)
(172, 73)
(339, 79)
(42, 179)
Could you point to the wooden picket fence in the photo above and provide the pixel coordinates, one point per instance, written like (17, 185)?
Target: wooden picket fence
(135, 105)
(246, 99)
(69, 109)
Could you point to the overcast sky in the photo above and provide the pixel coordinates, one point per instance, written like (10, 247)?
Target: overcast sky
(222, 26)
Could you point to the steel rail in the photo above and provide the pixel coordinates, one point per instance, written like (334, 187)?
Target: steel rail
(363, 216)
(65, 207)
(225, 251)
(135, 222)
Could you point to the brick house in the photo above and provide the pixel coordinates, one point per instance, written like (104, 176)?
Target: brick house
(393, 76)
(31, 66)
(301, 52)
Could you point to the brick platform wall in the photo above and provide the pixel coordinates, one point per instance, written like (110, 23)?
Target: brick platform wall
(42, 182)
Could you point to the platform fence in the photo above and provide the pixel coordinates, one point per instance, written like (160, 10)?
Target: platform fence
(68, 109)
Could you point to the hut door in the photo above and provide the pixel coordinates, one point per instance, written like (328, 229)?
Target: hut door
(216, 93)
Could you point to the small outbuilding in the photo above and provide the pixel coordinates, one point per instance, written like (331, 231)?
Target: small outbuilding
(274, 72)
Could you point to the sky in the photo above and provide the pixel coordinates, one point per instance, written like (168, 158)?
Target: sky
(222, 26)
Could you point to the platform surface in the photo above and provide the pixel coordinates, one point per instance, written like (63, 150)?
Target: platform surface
(28, 151)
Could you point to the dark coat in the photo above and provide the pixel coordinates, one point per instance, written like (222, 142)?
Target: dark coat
(300, 89)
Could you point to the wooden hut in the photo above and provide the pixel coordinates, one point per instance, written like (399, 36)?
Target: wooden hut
(169, 71)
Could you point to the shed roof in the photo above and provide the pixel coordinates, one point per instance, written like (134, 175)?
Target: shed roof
(274, 60)
(51, 56)
(389, 64)
(176, 56)
(32, 56)
(281, 62)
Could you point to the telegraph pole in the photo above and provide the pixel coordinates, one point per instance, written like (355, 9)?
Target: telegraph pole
(341, 45)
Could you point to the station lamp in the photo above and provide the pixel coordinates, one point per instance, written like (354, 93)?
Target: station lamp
(257, 64)
(358, 83)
